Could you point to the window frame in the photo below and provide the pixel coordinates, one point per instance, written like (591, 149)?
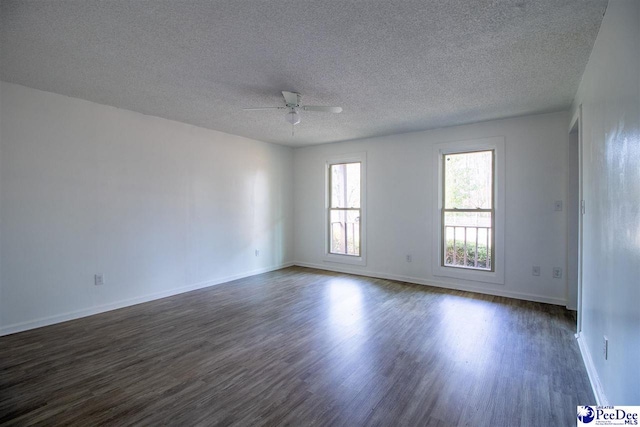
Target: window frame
(496, 275)
(345, 258)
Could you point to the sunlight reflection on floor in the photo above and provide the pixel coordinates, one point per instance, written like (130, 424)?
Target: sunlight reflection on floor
(345, 307)
(468, 331)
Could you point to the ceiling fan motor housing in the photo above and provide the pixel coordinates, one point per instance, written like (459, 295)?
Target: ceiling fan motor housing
(292, 99)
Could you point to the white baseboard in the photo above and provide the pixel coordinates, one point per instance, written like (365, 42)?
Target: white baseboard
(596, 385)
(63, 317)
(420, 281)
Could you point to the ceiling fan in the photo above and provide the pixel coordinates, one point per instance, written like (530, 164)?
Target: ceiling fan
(292, 104)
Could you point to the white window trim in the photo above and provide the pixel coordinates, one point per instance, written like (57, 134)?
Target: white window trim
(439, 151)
(347, 259)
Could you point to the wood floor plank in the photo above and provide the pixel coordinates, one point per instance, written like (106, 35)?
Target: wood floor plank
(301, 347)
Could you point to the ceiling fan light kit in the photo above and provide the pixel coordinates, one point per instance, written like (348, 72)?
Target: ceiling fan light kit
(293, 117)
(292, 104)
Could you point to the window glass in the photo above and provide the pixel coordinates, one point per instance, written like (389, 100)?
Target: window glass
(468, 215)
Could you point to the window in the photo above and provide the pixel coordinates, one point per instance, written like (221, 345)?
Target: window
(469, 226)
(345, 215)
(468, 214)
(344, 210)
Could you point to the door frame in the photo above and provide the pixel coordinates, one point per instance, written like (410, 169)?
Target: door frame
(576, 128)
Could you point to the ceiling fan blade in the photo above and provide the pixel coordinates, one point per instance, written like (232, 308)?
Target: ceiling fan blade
(264, 108)
(291, 97)
(322, 108)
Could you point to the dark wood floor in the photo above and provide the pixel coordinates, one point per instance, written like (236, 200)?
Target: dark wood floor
(301, 347)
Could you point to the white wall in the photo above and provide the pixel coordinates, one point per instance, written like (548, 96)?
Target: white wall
(401, 200)
(610, 97)
(157, 206)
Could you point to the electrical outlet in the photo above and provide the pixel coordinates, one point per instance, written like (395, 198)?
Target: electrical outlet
(557, 273)
(557, 205)
(605, 347)
(409, 258)
(98, 280)
(257, 252)
(535, 270)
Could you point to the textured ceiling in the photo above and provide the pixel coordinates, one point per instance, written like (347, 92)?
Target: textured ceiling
(393, 65)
